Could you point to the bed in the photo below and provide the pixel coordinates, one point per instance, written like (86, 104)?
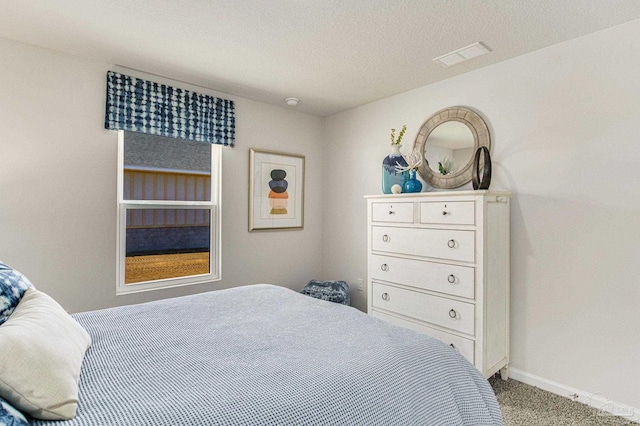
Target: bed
(266, 355)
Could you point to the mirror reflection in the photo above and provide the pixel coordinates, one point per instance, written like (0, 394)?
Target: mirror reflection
(449, 147)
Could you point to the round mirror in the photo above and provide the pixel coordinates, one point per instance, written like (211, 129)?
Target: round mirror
(450, 146)
(448, 141)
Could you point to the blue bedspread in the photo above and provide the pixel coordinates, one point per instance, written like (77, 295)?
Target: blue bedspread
(266, 355)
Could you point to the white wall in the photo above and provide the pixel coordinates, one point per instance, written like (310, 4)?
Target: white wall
(58, 185)
(565, 128)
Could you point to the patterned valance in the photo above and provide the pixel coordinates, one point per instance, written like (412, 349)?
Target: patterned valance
(144, 106)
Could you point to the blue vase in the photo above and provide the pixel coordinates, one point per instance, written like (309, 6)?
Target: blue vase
(390, 176)
(412, 184)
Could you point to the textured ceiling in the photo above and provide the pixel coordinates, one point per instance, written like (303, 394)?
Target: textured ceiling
(332, 54)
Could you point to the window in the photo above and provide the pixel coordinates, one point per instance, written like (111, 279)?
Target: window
(168, 212)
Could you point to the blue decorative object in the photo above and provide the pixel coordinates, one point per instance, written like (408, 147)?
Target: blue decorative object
(12, 287)
(413, 184)
(333, 291)
(144, 106)
(9, 416)
(390, 176)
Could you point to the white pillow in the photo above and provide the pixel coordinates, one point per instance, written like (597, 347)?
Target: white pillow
(42, 352)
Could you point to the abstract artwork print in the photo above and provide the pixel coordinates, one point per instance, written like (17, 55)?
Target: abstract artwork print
(276, 190)
(278, 196)
(279, 186)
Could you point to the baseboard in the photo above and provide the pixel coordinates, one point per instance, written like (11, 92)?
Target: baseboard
(595, 400)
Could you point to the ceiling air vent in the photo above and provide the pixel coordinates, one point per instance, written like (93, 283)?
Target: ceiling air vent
(463, 54)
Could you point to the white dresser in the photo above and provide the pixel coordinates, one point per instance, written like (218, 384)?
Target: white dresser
(439, 264)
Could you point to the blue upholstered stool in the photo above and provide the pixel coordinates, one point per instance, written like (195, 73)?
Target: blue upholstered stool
(333, 291)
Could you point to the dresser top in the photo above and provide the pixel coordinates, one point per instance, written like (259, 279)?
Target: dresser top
(481, 192)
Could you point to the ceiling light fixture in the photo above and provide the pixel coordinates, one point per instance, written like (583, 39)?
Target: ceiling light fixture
(292, 101)
(464, 54)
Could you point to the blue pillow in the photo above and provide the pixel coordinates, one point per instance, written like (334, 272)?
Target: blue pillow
(12, 287)
(9, 416)
(333, 291)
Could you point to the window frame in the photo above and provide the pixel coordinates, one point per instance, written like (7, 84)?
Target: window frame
(215, 256)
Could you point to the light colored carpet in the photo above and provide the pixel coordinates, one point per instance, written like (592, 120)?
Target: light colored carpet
(527, 405)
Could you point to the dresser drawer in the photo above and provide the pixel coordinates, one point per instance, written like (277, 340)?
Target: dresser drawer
(438, 243)
(462, 345)
(392, 212)
(441, 311)
(448, 213)
(440, 277)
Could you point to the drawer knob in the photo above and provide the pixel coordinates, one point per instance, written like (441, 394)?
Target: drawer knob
(444, 213)
(453, 313)
(385, 238)
(392, 212)
(451, 278)
(384, 267)
(385, 296)
(451, 243)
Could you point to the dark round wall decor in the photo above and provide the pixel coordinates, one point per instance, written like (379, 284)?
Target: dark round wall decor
(486, 169)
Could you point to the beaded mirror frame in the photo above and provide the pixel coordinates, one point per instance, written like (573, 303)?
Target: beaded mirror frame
(481, 138)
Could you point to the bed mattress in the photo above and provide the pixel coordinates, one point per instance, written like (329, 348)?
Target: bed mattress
(266, 355)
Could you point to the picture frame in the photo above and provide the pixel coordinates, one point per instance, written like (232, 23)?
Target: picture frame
(276, 190)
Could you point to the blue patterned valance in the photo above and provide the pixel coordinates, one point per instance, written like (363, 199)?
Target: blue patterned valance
(144, 106)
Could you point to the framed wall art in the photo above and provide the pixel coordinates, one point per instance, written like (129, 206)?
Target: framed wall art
(276, 190)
